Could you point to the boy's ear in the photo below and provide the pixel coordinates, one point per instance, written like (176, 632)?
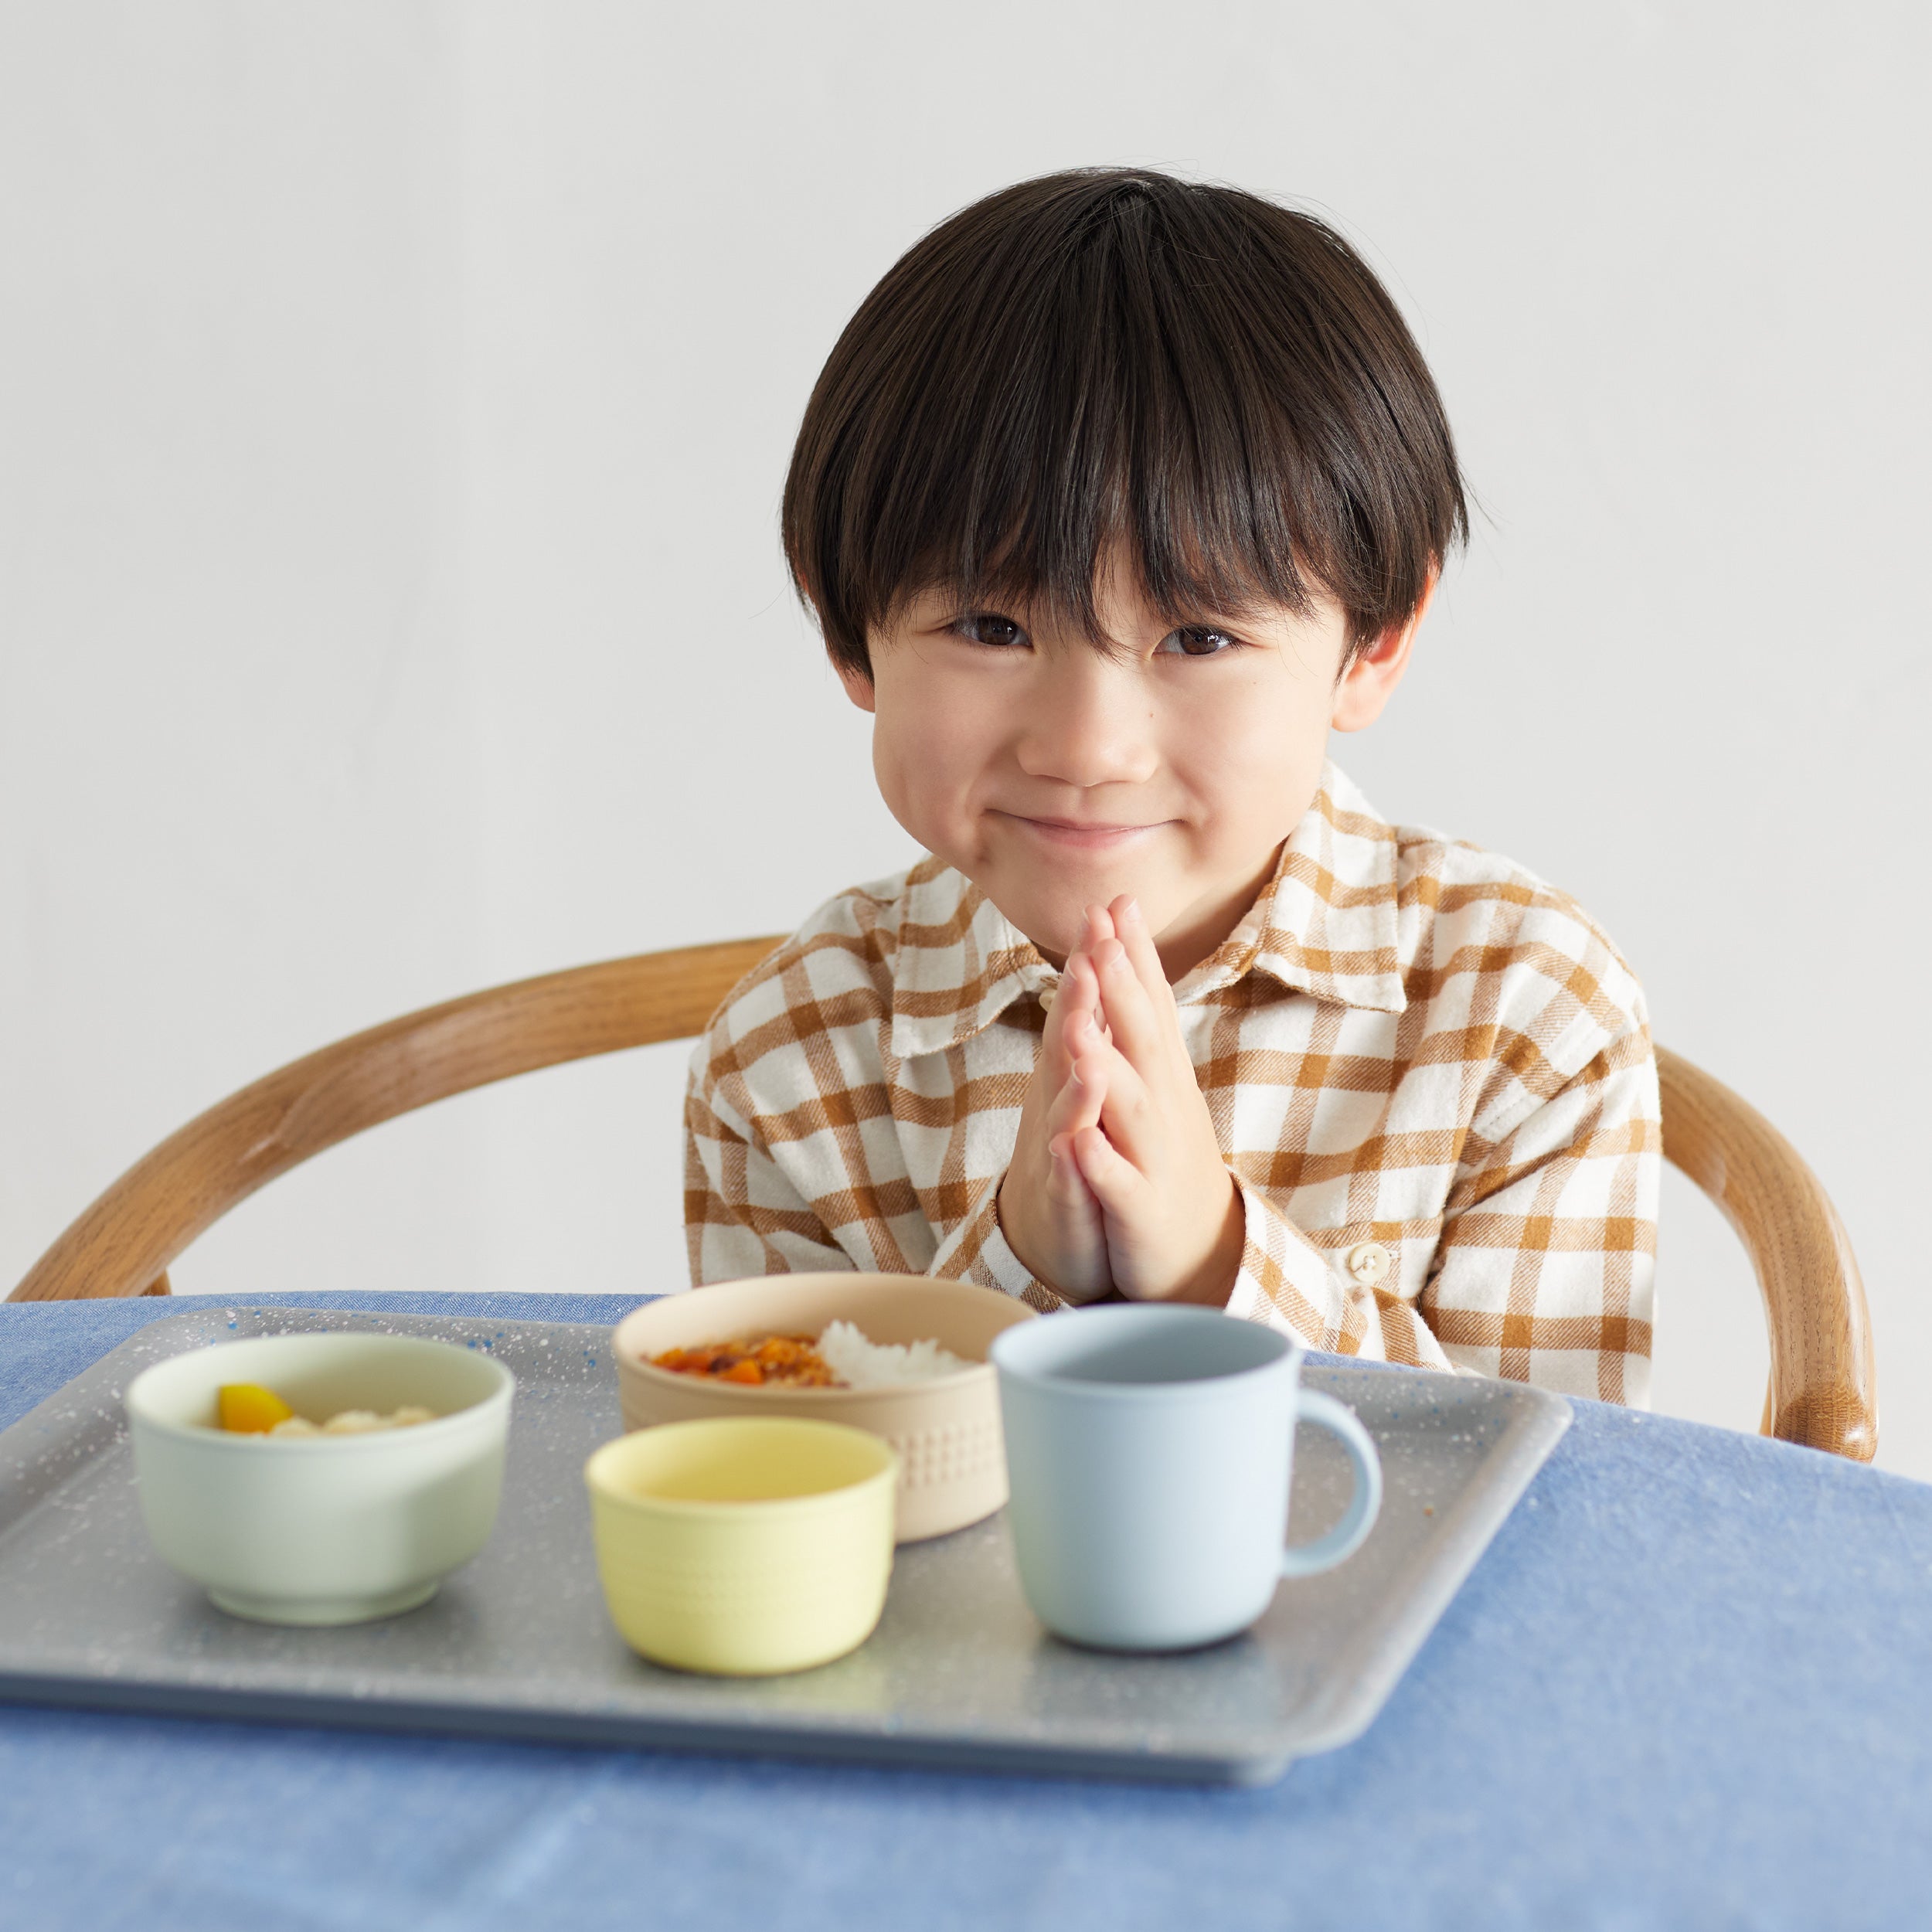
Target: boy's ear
(1373, 674)
(858, 687)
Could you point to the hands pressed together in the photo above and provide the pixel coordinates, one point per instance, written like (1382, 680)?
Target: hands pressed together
(1117, 1182)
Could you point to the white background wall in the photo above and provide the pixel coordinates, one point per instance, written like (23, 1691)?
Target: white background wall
(394, 402)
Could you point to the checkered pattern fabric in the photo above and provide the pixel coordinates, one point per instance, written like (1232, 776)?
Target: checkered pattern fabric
(1430, 1073)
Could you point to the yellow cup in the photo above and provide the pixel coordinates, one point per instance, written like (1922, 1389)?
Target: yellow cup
(744, 1546)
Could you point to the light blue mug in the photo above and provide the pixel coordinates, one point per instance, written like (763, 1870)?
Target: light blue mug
(1149, 1450)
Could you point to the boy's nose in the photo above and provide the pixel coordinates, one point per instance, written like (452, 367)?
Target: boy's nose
(1087, 721)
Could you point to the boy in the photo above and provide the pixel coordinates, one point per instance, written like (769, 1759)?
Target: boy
(1116, 495)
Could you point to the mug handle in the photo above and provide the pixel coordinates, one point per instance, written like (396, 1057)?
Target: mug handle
(1305, 1559)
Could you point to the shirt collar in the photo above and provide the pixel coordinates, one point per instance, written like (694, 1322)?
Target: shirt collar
(961, 962)
(1324, 925)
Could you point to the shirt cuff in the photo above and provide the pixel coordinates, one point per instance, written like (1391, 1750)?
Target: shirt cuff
(977, 1251)
(1286, 1282)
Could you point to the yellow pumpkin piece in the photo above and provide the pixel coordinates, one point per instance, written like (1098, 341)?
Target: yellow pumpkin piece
(248, 1411)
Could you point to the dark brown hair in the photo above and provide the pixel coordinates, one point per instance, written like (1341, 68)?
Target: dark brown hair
(1112, 356)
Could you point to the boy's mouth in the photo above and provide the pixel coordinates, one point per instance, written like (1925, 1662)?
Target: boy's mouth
(1083, 833)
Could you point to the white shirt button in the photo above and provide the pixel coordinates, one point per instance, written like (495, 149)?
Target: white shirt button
(1044, 996)
(1368, 1263)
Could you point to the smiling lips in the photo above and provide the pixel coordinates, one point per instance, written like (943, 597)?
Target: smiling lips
(1083, 835)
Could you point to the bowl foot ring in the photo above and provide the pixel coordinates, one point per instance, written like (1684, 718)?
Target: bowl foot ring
(314, 1611)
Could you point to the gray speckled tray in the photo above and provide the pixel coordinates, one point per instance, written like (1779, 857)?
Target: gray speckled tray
(958, 1674)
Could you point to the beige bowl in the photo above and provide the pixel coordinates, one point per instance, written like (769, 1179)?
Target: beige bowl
(952, 1465)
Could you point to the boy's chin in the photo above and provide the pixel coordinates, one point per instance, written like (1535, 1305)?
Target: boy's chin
(1058, 928)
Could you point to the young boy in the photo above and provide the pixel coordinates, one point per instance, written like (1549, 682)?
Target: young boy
(1117, 496)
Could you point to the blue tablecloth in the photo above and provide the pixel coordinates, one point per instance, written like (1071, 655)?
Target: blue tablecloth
(1690, 1685)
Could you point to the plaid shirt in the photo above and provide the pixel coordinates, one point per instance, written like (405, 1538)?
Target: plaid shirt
(1429, 1074)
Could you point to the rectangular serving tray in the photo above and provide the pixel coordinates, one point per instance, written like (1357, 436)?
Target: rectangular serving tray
(959, 1673)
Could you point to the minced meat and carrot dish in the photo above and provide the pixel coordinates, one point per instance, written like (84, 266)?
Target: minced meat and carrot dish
(773, 1361)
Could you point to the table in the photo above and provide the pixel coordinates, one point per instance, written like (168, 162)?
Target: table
(1689, 1684)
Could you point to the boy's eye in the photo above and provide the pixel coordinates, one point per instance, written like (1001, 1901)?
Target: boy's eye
(1196, 640)
(983, 626)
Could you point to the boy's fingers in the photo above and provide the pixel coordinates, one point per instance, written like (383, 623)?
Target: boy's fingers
(1077, 994)
(1062, 1171)
(1126, 1112)
(1088, 1007)
(1066, 1184)
(1134, 934)
(1099, 929)
(1073, 1014)
(1131, 928)
(1054, 1060)
(1077, 1104)
(1130, 1014)
(1116, 1183)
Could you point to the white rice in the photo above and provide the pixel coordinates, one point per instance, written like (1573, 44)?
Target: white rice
(860, 1363)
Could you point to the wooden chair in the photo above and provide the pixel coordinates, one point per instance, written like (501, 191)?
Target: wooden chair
(1822, 1390)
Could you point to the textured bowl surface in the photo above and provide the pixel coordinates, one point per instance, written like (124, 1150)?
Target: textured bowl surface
(332, 1529)
(952, 1466)
(743, 1546)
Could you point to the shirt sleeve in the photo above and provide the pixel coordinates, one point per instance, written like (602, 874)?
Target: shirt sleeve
(1545, 1269)
(1542, 1269)
(1288, 1282)
(978, 1251)
(742, 1215)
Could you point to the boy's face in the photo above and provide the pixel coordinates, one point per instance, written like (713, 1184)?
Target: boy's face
(1056, 776)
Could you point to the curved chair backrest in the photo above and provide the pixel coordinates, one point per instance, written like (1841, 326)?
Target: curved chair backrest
(1823, 1384)
(1822, 1390)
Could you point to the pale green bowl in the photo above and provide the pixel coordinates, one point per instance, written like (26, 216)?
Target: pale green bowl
(335, 1530)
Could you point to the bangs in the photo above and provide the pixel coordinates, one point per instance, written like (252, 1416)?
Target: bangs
(1096, 370)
